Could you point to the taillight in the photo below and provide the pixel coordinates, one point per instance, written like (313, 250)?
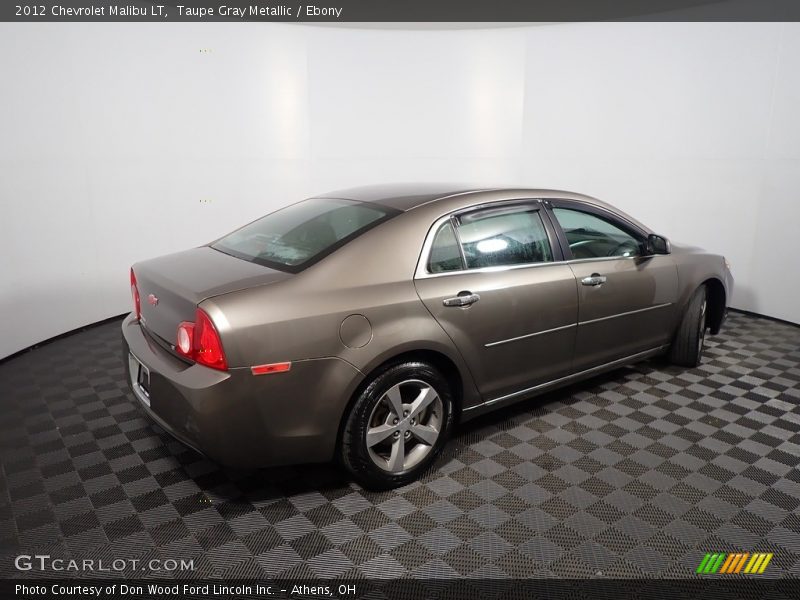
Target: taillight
(137, 302)
(207, 345)
(200, 342)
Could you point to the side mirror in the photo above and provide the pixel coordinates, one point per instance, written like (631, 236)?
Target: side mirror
(657, 244)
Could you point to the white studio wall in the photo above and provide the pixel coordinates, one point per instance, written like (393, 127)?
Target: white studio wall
(123, 142)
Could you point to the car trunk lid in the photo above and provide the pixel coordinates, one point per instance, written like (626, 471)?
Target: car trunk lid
(171, 286)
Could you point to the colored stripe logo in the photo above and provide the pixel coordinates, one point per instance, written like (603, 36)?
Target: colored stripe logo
(732, 563)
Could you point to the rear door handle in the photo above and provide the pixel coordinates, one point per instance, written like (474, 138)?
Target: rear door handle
(594, 279)
(463, 299)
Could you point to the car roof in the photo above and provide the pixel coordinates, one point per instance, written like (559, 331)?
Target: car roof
(406, 196)
(401, 196)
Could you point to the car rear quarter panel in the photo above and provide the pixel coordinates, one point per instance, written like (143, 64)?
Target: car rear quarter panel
(277, 419)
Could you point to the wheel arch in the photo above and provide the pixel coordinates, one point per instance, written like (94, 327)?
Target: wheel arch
(439, 360)
(717, 302)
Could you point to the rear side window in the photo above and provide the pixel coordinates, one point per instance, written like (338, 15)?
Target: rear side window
(445, 254)
(503, 236)
(299, 235)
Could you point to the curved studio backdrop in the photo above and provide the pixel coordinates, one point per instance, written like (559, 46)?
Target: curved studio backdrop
(127, 141)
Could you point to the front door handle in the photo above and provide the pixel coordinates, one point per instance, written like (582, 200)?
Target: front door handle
(594, 279)
(463, 299)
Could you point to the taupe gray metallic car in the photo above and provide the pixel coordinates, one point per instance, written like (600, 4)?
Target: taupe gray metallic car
(363, 324)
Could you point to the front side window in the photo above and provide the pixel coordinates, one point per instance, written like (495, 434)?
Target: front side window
(296, 236)
(591, 236)
(503, 236)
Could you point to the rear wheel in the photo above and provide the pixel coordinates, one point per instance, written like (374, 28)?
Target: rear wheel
(687, 347)
(397, 426)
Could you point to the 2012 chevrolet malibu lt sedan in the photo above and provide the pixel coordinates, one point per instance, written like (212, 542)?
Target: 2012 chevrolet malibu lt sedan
(361, 325)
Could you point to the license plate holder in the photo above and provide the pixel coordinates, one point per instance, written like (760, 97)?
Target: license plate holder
(140, 378)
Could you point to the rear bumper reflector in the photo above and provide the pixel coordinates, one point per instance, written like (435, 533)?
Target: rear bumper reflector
(270, 368)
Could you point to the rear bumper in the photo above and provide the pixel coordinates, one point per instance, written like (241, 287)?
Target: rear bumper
(241, 420)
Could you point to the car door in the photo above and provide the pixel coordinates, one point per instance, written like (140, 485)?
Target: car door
(494, 280)
(626, 299)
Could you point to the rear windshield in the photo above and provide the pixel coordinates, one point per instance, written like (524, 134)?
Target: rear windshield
(299, 235)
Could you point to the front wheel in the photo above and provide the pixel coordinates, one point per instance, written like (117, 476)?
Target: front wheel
(687, 347)
(397, 426)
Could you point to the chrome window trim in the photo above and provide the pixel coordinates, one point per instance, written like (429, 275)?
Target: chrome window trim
(497, 269)
(422, 265)
(578, 261)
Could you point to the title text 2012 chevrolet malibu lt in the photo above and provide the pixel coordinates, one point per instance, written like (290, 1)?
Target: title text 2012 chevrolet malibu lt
(364, 323)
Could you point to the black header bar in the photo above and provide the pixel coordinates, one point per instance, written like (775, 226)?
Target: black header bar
(344, 11)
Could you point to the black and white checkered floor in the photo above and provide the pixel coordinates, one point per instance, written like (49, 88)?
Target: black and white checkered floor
(637, 473)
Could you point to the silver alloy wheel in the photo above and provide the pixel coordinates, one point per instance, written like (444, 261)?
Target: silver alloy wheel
(404, 425)
(701, 333)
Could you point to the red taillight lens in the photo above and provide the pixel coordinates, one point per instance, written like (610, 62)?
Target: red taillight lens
(137, 302)
(200, 342)
(207, 345)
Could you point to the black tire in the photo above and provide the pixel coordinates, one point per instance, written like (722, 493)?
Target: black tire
(687, 346)
(374, 412)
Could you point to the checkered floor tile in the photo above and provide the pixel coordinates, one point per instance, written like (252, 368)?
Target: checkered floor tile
(637, 473)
